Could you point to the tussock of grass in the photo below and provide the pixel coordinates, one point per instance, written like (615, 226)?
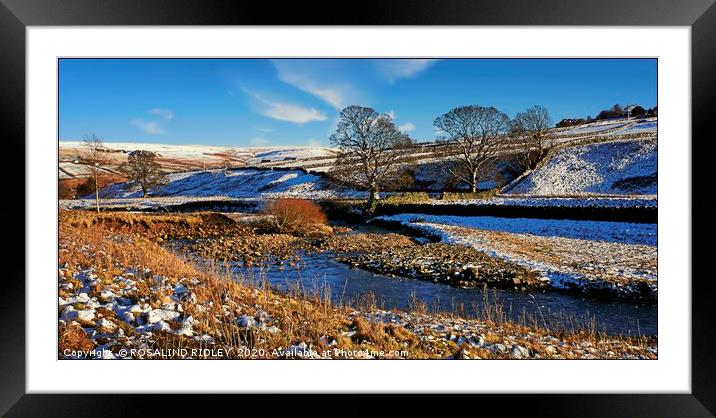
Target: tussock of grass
(454, 196)
(74, 338)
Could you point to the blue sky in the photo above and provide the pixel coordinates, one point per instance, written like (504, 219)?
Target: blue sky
(260, 102)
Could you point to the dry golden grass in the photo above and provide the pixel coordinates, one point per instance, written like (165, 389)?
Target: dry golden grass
(300, 316)
(157, 226)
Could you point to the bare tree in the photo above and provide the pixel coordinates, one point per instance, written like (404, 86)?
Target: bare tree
(142, 168)
(94, 157)
(371, 148)
(470, 137)
(531, 131)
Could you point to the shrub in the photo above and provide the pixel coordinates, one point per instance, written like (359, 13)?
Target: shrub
(638, 111)
(65, 190)
(615, 111)
(290, 215)
(570, 122)
(86, 188)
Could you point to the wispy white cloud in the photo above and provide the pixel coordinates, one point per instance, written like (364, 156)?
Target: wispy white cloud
(395, 69)
(149, 127)
(331, 96)
(154, 126)
(301, 74)
(287, 112)
(314, 143)
(293, 113)
(261, 129)
(162, 113)
(406, 127)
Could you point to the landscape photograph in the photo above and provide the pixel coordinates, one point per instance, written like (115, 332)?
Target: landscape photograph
(357, 208)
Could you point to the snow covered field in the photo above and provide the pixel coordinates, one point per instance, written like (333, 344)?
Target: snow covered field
(640, 201)
(71, 170)
(646, 126)
(617, 167)
(183, 157)
(613, 127)
(590, 128)
(584, 255)
(176, 157)
(289, 154)
(238, 183)
(196, 152)
(621, 232)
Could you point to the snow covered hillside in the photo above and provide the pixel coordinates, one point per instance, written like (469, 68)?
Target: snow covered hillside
(617, 167)
(242, 183)
(192, 157)
(290, 154)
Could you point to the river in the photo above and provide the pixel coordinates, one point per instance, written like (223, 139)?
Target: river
(316, 272)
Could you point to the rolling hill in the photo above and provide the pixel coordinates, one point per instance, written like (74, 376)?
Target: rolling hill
(612, 157)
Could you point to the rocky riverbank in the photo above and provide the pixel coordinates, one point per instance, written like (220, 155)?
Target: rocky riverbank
(114, 319)
(594, 267)
(477, 339)
(444, 263)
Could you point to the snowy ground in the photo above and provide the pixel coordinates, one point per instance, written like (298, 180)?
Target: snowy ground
(620, 232)
(645, 126)
(617, 167)
(197, 152)
(181, 157)
(238, 183)
(612, 127)
(68, 170)
(644, 201)
(590, 128)
(290, 154)
(587, 256)
(187, 157)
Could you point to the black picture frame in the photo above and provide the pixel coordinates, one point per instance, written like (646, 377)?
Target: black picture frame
(16, 15)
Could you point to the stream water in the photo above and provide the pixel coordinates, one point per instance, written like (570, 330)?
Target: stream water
(318, 272)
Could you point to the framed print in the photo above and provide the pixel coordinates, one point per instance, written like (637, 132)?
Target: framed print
(478, 199)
